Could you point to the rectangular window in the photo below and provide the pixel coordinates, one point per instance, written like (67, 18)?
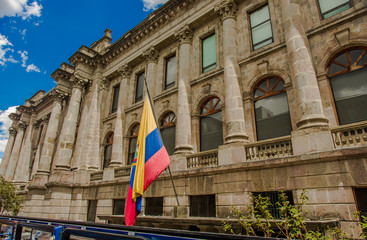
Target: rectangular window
(209, 53)
(154, 206)
(139, 87)
(92, 210)
(274, 198)
(115, 99)
(118, 206)
(202, 206)
(329, 8)
(168, 137)
(260, 24)
(170, 72)
(361, 199)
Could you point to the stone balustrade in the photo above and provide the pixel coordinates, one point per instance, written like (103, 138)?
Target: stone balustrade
(96, 176)
(350, 135)
(272, 148)
(122, 172)
(202, 159)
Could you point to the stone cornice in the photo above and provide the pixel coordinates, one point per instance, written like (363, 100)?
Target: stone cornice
(125, 71)
(14, 116)
(151, 55)
(184, 35)
(59, 95)
(25, 109)
(226, 9)
(80, 57)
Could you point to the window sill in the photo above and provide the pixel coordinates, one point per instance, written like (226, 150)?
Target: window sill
(205, 76)
(109, 117)
(166, 92)
(135, 106)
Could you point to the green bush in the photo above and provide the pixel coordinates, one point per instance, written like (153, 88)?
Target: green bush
(10, 201)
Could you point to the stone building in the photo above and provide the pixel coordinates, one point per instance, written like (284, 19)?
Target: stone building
(251, 96)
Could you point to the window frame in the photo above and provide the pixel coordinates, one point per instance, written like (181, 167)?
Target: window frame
(250, 27)
(148, 206)
(89, 214)
(214, 65)
(113, 206)
(139, 98)
(356, 202)
(274, 210)
(108, 142)
(171, 85)
(133, 133)
(322, 15)
(170, 124)
(114, 88)
(191, 210)
(350, 68)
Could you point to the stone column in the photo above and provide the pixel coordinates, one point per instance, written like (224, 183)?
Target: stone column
(7, 152)
(118, 158)
(312, 119)
(49, 144)
(67, 135)
(10, 171)
(39, 145)
(151, 56)
(183, 125)
(234, 110)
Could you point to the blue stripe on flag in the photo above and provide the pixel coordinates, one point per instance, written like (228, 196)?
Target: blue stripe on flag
(153, 143)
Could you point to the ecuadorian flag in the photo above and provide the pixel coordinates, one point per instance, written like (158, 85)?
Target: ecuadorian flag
(151, 158)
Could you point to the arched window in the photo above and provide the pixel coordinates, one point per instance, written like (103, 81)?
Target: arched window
(211, 129)
(168, 131)
(271, 109)
(108, 150)
(347, 74)
(133, 137)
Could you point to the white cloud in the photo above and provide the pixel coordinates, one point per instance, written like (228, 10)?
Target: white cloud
(24, 56)
(152, 4)
(32, 68)
(19, 8)
(23, 32)
(5, 123)
(5, 46)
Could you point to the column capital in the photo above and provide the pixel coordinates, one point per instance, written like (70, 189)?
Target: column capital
(22, 125)
(226, 9)
(12, 131)
(78, 81)
(37, 123)
(184, 34)
(125, 71)
(45, 119)
(151, 55)
(60, 95)
(104, 84)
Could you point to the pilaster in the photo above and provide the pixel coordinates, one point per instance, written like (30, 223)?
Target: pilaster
(8, 150)
(44, 122)
(151, 56)
(183, 127)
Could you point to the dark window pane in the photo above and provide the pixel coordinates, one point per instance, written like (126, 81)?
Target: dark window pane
(170, 72)
(334, 68)
(115, 99)
(154, 206)
(330, 8)
(355, 54)
(274, 198)
(107, 155)
(361, 198)
(168, 136)
(92, 210)
(209, 53)
(261, 31)
(118, 206)
(272, 117)
(202, 206)
(139, 87)
(350, 94)
(211, 131)
(132, 148)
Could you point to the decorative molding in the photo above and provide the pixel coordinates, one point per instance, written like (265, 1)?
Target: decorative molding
(343, 37)
(60, 74)
(226, 9)
(78, 81)
(184, 35)
(151, 55)
(22, 125)
(59, 95)
(263, 67)
(12, 131)
(14, 116)
(80, 57)
(125, 71)
(45, 119)
(104, 84)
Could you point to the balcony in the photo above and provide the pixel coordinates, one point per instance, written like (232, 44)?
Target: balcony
(267, 149)
(351, 135)
(202, 159)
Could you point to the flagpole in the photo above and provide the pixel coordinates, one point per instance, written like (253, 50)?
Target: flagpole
(155, 119)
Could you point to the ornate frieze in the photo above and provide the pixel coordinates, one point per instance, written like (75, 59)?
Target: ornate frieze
(226, 9)
(80, 57)
(125, 71)
(45, 119)
(184, 35)
(151, 55)
(104, 84)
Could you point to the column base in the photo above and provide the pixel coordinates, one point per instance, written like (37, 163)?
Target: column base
(115, 164)
(236, 138)
(40, 178)
(61, 175)
(184, 149)
(312, 122)
(311, 140)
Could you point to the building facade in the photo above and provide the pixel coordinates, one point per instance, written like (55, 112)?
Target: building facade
(250, 96)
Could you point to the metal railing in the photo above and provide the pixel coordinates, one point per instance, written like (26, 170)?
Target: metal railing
(350, 135)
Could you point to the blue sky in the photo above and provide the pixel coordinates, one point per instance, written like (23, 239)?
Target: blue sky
(36, 36)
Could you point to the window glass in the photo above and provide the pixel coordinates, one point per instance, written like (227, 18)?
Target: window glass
(92, 210)
(154, 206)
(108, 151)
(118, 206)
(330, 8)
(168, 131)
(209, 53)
(211, 126)
(271, 110)
(361, 199)
(170, 72)
(132, 143)
(261, 28)
(202, 206)
(115, 99)
(139, 87)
